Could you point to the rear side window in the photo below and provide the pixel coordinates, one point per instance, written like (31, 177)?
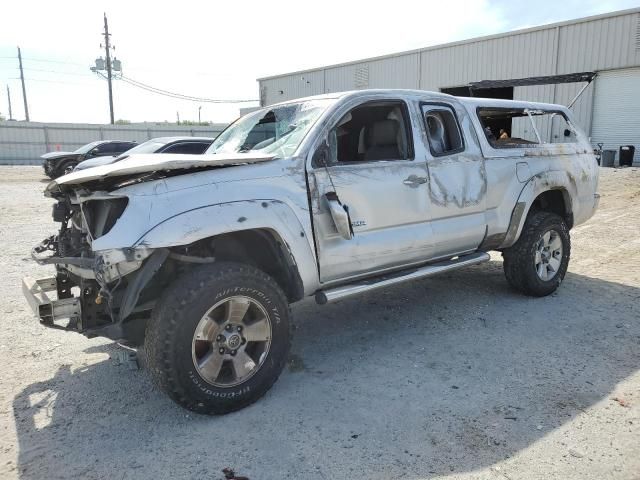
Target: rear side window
(190, 148)
(521, 127)
(443, 131)
(122, 147)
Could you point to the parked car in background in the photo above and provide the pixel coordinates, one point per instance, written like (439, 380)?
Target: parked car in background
(56, 164)
(185, 145)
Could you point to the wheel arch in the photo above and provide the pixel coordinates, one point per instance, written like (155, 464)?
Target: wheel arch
(263, 233)
(262, 248)
(551, 191)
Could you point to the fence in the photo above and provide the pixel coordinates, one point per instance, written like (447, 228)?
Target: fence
(22, 143)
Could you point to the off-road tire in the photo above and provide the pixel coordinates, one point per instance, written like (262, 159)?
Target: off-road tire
(169, 335)
(59, 170)
(519, 259)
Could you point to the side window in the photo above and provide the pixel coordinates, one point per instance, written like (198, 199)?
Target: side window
(519, 127)
(443, 131)
(122, 147)
(371, 132)
(190, 148)
(561, 129)
(102, 149)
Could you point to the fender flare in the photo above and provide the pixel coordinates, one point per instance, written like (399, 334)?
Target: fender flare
(208, 221)
(536, 185)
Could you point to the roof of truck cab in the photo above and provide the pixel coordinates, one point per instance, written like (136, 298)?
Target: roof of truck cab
(472, 101)
(363, 93)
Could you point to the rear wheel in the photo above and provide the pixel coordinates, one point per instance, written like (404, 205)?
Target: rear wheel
(219, 338)
(537, 263)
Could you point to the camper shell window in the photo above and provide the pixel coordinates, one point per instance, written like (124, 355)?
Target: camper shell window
(523, 127)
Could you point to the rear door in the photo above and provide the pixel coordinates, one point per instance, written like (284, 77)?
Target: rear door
(457, 180)
(381, 179)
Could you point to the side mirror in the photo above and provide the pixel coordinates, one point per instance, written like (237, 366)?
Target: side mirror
(567, 132)
(340, 215)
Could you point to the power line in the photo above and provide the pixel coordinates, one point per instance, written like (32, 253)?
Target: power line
(54, 61)
(57, 72)
(43, 60)
(180, 96)
(128, 80)
(52, 81)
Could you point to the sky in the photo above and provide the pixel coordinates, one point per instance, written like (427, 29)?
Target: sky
(217, 50)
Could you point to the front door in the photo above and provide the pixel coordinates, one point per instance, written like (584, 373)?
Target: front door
(382, 181)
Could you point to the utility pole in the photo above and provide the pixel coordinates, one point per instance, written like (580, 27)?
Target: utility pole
(199, 108)
(24, 90)
(108, 55)
(9, 99)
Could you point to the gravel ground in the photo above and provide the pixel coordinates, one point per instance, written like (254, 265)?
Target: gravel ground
(451, 377)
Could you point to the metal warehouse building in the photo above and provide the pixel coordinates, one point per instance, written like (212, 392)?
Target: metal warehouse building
(551, 63)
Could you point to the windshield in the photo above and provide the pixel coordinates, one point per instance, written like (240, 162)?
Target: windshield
(87, 147)
(277, 130)
(150, 146)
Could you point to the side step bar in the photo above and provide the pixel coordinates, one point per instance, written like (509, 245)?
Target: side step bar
(338, 293)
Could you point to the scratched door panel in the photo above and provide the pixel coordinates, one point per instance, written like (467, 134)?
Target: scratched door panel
(458, 197)
(457, 182)
(390, 218)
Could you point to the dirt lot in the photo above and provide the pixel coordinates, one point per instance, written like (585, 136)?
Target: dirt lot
(451, 377)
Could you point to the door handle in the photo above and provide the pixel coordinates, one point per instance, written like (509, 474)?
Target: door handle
(414, 180)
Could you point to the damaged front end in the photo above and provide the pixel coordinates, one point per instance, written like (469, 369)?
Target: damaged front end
(97, 293)
(107, 278)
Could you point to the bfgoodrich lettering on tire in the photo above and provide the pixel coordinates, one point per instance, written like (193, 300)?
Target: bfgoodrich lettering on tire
(219, 337)
(537, 263)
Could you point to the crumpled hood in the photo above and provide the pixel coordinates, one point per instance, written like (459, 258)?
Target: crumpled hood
(50, 155)
(147, 163)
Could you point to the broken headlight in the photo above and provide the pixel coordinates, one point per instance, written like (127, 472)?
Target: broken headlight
(101, 215)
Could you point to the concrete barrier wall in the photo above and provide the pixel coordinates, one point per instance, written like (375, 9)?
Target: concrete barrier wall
(22, 143)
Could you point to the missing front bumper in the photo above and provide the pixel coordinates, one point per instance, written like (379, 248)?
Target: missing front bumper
(51, 311)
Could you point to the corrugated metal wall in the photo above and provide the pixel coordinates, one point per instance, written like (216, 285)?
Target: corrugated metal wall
(24, 142)
(515, 56)
(596, 43)
(602, 44)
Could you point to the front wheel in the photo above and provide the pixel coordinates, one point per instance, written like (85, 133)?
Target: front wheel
(219, 338)
(537, 263)
(64, 168)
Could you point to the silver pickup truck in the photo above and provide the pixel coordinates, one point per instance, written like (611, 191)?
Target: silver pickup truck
(198, 258)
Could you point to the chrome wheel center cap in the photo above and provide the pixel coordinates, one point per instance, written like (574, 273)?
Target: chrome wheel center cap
(233, 341)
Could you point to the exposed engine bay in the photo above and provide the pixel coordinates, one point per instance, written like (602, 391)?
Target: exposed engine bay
(91, 283)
